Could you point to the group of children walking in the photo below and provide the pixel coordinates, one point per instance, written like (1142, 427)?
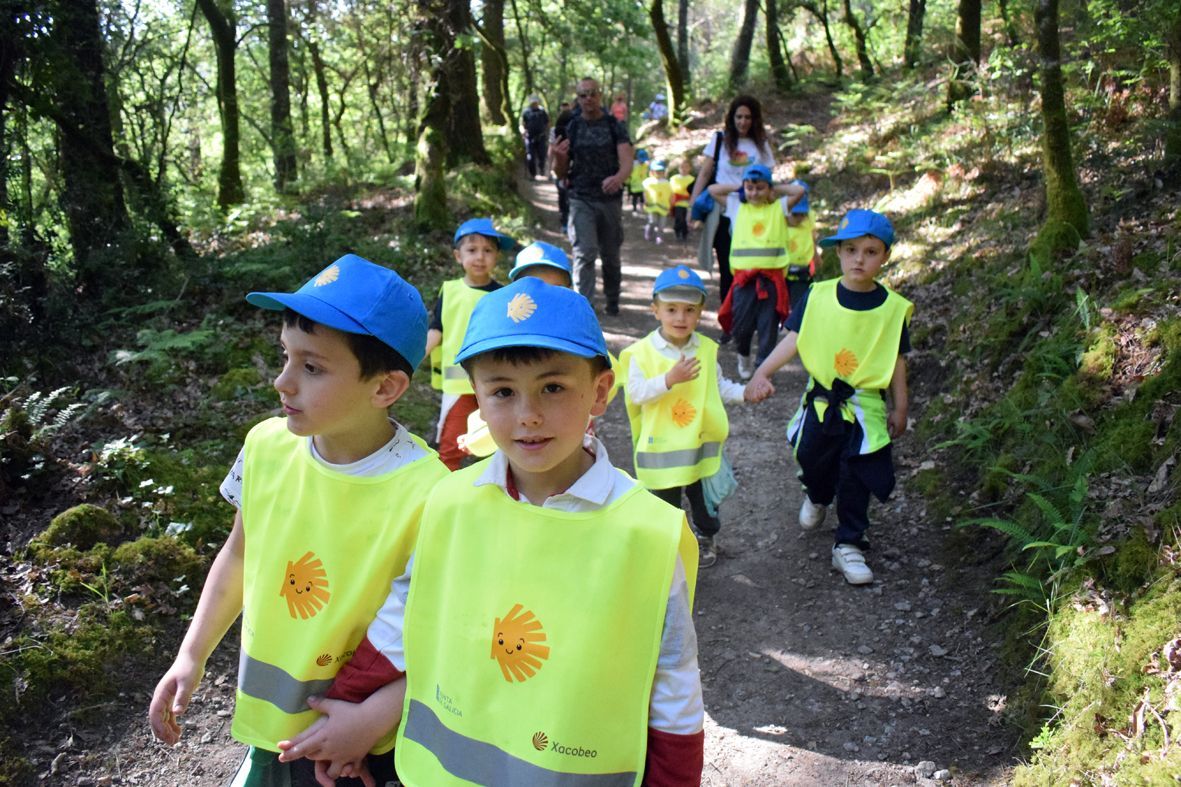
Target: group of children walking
(528, 618)
(660, 195)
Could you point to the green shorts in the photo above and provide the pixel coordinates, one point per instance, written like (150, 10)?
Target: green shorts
(261, 768)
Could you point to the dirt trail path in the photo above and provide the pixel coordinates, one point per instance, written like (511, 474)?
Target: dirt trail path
(809, 680)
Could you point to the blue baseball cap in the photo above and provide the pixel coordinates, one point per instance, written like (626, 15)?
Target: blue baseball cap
(355, 295)
(758, 172)
(658, 166)
(679, 285)
(801, 207)
(482, 227)
(642, 155)
(531, 313)
(541, 253)
(858, 224)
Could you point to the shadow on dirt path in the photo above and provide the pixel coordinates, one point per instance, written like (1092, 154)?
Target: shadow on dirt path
(809, 680)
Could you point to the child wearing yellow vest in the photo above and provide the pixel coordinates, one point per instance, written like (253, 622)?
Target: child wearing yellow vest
(635, 181)
(682, 184)
(675, 397)
(316, 540)
(802, 252)
(543, 632)
(757, 300)
(852, 337)
(658, 202)
(477, 247)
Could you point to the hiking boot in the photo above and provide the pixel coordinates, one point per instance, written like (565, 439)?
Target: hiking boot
(612, 308)
(745, 371)
(707, 551)
(849, 560)
(811, 515)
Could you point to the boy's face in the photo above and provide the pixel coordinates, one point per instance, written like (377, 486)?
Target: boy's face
(478, 255)
(549, 275)
(686, 168)
(677, 320)
(659, 174)
(322, 391)
(538, 412)
(861, 259)
(758, 192)
(796, 219)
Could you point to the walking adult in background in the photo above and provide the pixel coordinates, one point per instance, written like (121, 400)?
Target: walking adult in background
(742, 142)
(565, 111)
(535, 130)
(596, 157)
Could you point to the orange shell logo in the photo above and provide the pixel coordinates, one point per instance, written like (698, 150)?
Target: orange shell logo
(521, 307)
(516, 644)
(845, 363)
(683, 413)
(328, 276)
(758, 229)
(792, 245)
(540, 741)
(324, 660)
(305, 586)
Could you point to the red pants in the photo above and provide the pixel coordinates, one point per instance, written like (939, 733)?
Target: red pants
(454, 425)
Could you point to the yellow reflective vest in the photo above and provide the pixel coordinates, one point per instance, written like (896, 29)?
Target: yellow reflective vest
(635, 181)
(801, 242)
(759, 237)
(658, 195)
(859, 347)
(677, 439)
(532, 637)
(321, 549)
(458, 301)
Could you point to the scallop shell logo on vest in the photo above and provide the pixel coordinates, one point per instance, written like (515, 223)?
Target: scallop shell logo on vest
(327, 276)
(305, 586)
(521, 307)
(516, 644)
(845, 362)
(683, 413)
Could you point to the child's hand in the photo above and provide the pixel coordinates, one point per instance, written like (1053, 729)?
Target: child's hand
(328, 772)
(758, 389)
(896, 423)
(171, 698)
(686, 369)
(344, 734)
(696, 224)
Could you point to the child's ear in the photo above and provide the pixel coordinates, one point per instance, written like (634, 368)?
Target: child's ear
(604, 382)
(390, 388)
(455, 251)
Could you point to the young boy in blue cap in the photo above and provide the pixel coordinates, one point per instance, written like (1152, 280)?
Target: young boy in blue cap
(658, 201)
(477, 247)
(757, 300)
(317, 538)
(675, 397)
(548, 634)
(852, 337)
(545, 261)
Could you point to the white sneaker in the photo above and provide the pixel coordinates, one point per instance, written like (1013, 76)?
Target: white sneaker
(744, 370)
(811, 515)
(848, 560)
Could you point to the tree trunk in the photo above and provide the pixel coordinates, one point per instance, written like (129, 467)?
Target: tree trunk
(740, 55)
(530, 84)
(430, 190)
(1066, 210)
(914, 32)
(965, 55)
(1011, 36)
(821, 14)
(863, 60)
(779, 71)
(282, 133)
(92, 194)
(672, 68)
(229, 179)
(1173, 129)
(494, 59)
(465, 136)
(683, 43)
(322, 88)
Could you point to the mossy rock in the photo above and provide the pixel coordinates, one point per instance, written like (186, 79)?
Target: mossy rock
(150, 559)
(1133, 564)
(82, 527)
(236, 382)
(1098, 360)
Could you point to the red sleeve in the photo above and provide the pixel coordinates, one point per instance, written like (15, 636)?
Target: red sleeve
(366, 672)
(674, 760)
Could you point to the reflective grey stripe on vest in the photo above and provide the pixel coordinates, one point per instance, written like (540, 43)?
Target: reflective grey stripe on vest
(483, 763)
(454, 373)
(684, 458)
(272, 684)
(772, 251)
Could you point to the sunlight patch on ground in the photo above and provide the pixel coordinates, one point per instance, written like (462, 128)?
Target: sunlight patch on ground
(835, 673)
